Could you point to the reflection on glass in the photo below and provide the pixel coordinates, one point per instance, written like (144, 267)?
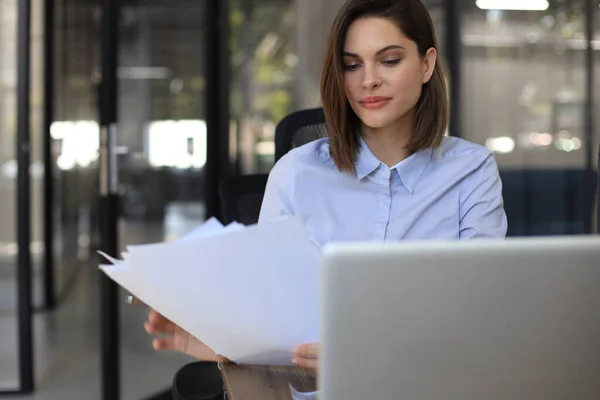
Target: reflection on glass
(74, 138)
(177, 144)
(79, 143)
(523, 79)
(523, 98)
(263, 73)
(161, 139)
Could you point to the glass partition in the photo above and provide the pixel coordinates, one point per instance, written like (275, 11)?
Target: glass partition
(9, 363)
(523, 96)
(162, 154)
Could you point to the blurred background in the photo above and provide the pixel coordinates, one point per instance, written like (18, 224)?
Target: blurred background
(521, 86)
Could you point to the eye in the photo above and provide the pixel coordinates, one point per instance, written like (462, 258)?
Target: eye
(351, 67)
(391, 62)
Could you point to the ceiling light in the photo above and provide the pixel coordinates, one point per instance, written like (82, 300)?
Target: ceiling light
(523, 5)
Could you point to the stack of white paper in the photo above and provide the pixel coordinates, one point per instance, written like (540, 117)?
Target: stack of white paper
(251, 294)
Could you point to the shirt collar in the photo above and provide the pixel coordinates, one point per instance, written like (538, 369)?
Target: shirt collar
(410, 170)
(366, 162)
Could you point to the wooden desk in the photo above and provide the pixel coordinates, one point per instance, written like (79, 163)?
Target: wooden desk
(265, 383)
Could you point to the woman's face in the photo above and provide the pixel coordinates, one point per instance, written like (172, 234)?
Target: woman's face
(383, 72)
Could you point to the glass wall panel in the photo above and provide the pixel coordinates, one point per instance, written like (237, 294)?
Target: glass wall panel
(523, 97)
(36, 169)
(9, 372)
(162, 154)
(75, 139)
(266, 64)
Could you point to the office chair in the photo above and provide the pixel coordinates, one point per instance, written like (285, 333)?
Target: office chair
(198, 381)
(241, 198)
(297, 129)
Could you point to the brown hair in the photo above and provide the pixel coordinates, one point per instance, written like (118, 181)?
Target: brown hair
(431, 111)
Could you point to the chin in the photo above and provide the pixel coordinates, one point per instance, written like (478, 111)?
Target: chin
(375, 120)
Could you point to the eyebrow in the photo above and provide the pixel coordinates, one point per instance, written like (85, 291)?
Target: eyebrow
(392, 47)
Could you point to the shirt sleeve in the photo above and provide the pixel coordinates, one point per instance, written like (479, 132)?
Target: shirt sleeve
(278, 200)
(482, 207)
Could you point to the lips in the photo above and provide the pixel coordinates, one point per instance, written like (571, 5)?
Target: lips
(374, 102)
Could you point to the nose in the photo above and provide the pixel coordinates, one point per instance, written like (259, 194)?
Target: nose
(371, 79)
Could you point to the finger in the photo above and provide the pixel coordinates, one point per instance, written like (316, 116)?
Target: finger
(308, 363)
(156, 317)
(310, 350)
(153, 329)
(156, 325)
(160, 328)
(164, 343)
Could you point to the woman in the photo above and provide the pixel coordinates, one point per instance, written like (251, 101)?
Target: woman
(386, 107)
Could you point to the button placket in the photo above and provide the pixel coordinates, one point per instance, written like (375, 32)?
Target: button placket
(383, 212)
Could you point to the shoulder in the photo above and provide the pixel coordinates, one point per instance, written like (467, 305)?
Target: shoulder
(462, 161)
(456, 148)
(313, 154)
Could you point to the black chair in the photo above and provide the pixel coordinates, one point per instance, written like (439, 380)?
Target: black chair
(241, 198)
(188, 386)
(297, 129)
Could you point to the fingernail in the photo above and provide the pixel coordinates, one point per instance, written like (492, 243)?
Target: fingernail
(294, 361)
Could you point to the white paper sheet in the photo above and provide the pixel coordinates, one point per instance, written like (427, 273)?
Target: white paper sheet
(250, 294)
(210, 228)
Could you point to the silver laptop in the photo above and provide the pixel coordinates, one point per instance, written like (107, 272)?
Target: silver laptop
(515, 319)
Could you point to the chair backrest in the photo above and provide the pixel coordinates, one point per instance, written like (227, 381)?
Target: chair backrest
(299, 128)
(241, 198)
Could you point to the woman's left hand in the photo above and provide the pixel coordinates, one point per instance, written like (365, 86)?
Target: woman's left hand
(306, 356)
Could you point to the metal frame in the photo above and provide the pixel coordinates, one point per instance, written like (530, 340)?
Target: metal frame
(218, 163)
(48, 212)
(453, 44)
(109, 307)
(589, 10)
(23, 201)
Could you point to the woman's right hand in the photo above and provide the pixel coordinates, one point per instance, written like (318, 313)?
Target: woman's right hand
(176, 339)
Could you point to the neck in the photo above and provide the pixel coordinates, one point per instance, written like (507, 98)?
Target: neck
(389, 144)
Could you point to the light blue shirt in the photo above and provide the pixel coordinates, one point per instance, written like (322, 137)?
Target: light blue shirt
(450, 192)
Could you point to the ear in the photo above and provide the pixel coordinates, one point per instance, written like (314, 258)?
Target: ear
(429, 62)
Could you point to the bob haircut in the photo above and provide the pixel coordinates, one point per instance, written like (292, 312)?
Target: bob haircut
(431, 110)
